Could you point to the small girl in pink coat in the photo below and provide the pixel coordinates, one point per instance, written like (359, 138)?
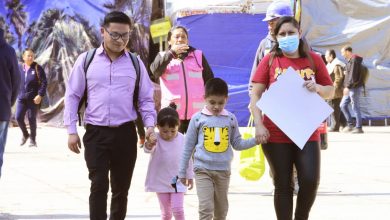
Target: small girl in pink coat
(164, 165)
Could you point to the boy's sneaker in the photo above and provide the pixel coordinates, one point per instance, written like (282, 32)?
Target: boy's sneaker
(24, 140)
(348, 129)
(357, 131)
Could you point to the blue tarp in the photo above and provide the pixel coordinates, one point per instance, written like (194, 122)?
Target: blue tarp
(229, 42)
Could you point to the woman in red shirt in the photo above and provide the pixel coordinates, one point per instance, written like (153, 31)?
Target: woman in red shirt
(281, 152)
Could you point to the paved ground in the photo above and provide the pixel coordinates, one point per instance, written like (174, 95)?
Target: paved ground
(50, 182)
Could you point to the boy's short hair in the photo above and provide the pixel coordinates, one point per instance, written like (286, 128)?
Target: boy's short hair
(116, 17)
(217, 87)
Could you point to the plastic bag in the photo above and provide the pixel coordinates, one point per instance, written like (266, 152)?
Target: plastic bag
(252, 161)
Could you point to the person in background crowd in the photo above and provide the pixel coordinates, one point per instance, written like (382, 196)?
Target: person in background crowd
(32, 90)
(353, 86)
(336, 70)
(281, 153)
(9, 87)
(182, 72)
(110, 139)
(275, 10)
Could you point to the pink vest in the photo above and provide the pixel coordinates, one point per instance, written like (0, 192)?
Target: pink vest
(182, 83)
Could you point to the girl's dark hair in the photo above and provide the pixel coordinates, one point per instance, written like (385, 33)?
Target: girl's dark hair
(116, 17)
(174, 28)
(217, 87)
(168, 116)
(303, 48)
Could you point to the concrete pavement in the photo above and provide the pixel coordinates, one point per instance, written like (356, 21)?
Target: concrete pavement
(50, 182)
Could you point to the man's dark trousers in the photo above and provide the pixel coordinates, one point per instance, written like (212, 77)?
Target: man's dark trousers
(110, 150)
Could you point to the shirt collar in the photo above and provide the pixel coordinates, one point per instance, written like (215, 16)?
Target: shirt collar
(205, 111)
(100, 50)
(25, 67)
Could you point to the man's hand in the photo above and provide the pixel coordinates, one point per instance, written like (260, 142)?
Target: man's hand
(346, 92)
(37, 99)
(74, 143)
(151, 136)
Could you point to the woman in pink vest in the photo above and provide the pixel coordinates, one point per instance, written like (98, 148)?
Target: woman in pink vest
(182, 72)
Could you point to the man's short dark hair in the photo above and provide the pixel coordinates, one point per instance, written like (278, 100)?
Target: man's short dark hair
(217, 87)
(116, 17)
(347, 48)
(332, 53)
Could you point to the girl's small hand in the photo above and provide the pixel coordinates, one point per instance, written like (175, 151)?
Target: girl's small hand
(311, 85)
(148, 146)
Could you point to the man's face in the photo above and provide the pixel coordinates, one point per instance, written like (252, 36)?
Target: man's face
(116, 36)
(346, 54)
(272, 25)
(28, 57)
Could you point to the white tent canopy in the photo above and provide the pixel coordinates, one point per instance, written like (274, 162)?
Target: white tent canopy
(365, 26)
(362, 24)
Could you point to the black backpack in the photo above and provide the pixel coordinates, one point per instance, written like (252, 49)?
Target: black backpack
(363, 78)
(88, 59)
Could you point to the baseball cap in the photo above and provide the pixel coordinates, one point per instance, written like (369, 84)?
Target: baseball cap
(278, 9)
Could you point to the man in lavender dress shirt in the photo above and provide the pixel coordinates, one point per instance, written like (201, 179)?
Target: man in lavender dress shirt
(110, 140)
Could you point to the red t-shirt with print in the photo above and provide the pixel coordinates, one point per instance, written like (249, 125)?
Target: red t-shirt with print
(267, 75)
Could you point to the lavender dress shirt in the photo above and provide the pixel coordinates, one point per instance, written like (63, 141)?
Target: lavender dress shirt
(110, 92)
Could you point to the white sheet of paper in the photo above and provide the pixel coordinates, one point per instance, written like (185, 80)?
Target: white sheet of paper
(294, 109)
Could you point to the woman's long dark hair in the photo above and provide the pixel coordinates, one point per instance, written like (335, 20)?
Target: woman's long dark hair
(303, 48)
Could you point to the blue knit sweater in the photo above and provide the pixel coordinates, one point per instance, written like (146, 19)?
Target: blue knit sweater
(211, 139)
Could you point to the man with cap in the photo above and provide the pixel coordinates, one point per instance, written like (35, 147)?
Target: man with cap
(275, 10)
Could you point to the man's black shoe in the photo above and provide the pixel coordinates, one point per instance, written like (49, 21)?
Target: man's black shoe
(24, 140)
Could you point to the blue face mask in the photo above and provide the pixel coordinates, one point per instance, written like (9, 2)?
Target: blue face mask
(289, 44)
